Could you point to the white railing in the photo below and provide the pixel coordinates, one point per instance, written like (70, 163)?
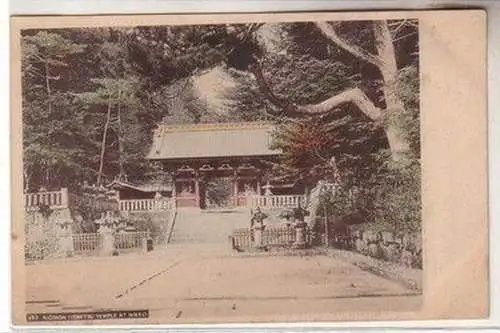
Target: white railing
(52, 199)
(277, 201)
(141, 205)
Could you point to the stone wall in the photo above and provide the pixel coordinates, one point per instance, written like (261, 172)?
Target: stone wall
(385, 245)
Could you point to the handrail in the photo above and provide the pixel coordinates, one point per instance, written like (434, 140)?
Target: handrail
(171, 225)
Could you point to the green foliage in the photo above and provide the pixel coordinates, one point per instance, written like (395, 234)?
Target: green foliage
(218, 192)
(389, 201)
(84, 215)
(398, 200)
(143, 222)
(40, 249)
(51, 146)
(154, 223)
(319, 148)
(146, 72)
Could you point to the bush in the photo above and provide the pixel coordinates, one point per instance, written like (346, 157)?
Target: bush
(39, 249)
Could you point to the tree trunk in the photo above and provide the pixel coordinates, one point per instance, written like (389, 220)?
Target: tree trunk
(47, 87)
(27, 179)
(49, 113)
(389, 70)
(120, 140)
(103, 144)
(385, 61)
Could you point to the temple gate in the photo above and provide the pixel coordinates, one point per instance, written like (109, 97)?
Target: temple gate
(214, 165)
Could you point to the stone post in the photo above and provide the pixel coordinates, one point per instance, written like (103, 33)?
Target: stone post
(107, 242)
(146, 239)
(300, 235)
(144, 242)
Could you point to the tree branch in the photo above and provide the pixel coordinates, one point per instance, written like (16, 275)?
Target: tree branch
(285, 105)
(405, 36)
(355, 96)
(399, 27)
(329, 32)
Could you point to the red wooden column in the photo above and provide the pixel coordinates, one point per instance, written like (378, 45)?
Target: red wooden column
(197, 188)
(174, 187)
(235, 187)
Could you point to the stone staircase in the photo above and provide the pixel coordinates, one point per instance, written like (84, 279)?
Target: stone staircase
(195, 226)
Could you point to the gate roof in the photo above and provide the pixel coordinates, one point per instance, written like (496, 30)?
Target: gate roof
(212, 140)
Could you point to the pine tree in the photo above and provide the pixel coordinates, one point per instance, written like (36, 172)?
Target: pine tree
(50, 140)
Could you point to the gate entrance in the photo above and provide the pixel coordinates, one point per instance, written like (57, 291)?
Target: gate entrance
(217, 193)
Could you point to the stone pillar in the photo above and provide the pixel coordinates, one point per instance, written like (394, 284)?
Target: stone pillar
(64, 197)
(147, 236)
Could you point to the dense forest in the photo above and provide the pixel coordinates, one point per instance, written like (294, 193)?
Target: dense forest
(344, 97)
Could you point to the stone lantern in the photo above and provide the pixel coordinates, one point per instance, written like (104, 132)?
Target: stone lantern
(106, 227)
(267, 189)
(257, 226)
(300, 226)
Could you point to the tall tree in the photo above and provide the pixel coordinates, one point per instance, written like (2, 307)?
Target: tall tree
(48, 51)
(384, 61)
(45, 56)
(113, 94)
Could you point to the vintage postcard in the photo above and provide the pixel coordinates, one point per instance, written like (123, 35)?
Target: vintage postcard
(249, 168)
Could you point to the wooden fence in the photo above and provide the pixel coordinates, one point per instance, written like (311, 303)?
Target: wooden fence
(130, 240)
(87, 243)
(91, 244)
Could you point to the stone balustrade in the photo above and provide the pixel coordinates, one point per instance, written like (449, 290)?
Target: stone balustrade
(277, 201)
(142, 205)
(54, 199)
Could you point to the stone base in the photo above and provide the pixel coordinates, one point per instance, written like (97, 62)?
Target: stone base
(261, 248)
(299, 245)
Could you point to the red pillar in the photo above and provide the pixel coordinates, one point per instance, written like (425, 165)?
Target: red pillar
(235, 188)
(174, 186)
(197, 189)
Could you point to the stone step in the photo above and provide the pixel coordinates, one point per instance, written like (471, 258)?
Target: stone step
(196, 226)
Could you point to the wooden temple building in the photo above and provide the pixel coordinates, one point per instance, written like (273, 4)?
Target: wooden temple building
(216, 165)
